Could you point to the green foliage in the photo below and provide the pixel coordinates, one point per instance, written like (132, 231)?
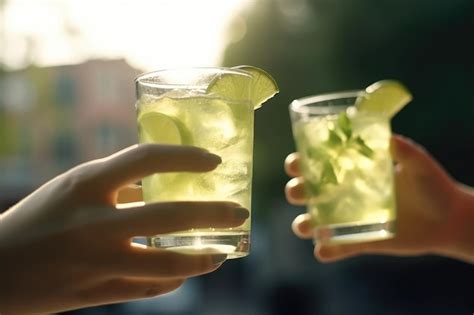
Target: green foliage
(344, 45)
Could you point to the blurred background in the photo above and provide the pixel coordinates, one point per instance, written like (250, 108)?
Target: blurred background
(67, 96)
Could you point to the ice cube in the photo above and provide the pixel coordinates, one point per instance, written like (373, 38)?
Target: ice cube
(346, 210)
(211, 122)
(232, 176)
(316, 131)
(374, 131)
(381, 178)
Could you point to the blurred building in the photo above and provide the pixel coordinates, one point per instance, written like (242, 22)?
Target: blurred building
(54, 118)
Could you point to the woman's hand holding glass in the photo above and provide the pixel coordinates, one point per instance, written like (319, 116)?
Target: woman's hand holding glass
(68, 245)
(435, 214)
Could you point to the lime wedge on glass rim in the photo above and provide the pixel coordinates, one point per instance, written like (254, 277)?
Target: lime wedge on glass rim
(163, 129)
(157, 127)
(386, 97)
(263, 86)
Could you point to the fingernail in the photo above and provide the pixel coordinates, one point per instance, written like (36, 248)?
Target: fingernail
(218, 259)
(212, 157)
(241, 213)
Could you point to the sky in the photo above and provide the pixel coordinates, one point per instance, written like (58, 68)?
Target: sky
(149, 34)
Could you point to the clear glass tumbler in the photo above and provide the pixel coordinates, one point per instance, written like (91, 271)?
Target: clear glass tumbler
(181, 107)
(346, 166)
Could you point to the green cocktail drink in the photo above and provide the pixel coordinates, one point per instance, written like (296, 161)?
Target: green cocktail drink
(211, 108)
(346, 165)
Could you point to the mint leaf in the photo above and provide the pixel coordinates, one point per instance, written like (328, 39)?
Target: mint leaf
(328, 176)
(345, 124)
(334, 139)
(363, 148)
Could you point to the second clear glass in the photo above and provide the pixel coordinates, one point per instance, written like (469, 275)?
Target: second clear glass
(347, 168)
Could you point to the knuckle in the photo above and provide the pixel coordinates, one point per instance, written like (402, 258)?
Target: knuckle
(82, 184)
(77, 179)
(143, 152)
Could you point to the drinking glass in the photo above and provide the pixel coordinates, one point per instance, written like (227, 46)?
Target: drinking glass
(181, 107)
(346, 166)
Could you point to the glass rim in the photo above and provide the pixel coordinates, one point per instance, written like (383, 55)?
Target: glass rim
(300, 105)
(141, 78)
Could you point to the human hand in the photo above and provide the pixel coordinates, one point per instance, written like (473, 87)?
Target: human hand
(434, 213)
(67, 246)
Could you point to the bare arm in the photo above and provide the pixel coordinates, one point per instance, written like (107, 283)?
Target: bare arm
(67, 246)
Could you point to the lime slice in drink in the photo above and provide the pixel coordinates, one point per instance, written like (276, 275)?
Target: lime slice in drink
(264, 86)
(160, 128)
(235, 86)
(387, 97)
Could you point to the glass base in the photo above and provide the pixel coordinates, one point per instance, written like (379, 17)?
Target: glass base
(234, 244)
(340, 233)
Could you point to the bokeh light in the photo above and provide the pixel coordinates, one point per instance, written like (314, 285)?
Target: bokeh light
(148, 34)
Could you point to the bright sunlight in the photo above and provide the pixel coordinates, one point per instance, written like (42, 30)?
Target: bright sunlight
(149, 34)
